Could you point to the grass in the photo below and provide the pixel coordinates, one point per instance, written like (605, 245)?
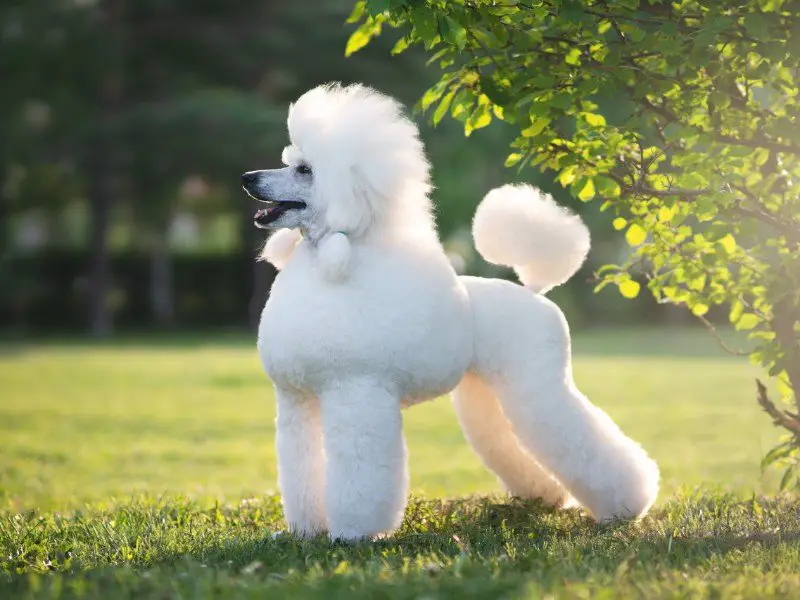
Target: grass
(146, 469)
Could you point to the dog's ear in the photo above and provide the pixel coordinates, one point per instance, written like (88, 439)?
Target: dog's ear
(333, 257)
(353, 205)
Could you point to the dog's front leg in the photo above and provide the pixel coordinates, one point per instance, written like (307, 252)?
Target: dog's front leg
(367, 476)
(301, 463)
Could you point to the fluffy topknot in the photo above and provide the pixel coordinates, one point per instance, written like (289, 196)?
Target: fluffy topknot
(366, 156)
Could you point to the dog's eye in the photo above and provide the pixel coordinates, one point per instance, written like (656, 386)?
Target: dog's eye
(303, 169)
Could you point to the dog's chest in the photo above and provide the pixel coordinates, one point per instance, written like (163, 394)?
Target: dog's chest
(409, 327)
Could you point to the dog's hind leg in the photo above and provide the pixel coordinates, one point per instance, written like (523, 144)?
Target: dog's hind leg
(301, 463)
(367, 473)
(603, 469)
(522, 351)
(491, 435)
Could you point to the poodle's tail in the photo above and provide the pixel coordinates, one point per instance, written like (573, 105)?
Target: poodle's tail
(519, 226)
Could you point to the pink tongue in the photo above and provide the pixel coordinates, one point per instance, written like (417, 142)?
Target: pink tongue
(266, 212)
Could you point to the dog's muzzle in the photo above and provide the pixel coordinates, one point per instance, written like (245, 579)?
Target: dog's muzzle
(275, 208)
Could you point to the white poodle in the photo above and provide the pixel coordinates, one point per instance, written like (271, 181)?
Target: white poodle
(367, 316)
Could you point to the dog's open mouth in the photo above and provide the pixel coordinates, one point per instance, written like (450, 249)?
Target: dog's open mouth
(275, 208)
(265, 216)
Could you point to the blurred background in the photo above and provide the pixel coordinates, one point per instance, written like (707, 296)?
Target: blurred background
(125, 126)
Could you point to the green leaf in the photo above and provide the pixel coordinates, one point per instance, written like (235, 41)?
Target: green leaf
(756, 25)
(453, 32)
(699, 309)
(513, 159)
(775, 454)
(482, 120)
(376, 7)
(432, 94)
(719, 100)
(587, 192)
(737, 308)
(787, 478)
(493, 91)
(357, 41)
(629, 288)
(697, 284)
(747, 321)
(607, 187)
(562, 100)
(783, 385)
(444, 104)
(705, 208)
(424, 22)
(401, 46)
(666, 213)
(728, 243)
(536, 127)
(613, 57)
(478, 119)
(635, 236)
(357, 12)
(567, 175)
(594, 119)
(361, 36)
(694, 179)
(573, 57)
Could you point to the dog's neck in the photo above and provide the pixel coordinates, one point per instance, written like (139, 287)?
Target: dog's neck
(314, 234)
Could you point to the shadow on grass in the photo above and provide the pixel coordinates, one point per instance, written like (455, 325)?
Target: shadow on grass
(473, 547)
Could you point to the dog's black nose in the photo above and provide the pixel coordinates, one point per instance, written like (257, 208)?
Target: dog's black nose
(249, 177)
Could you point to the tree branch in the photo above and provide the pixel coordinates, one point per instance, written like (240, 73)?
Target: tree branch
(783, 323)
(728, 139)
(638, 187)
(779, 417)
(710, 326)
(792, 235)
(759, 143)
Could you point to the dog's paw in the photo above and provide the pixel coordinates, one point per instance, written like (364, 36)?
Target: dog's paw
(333, 255)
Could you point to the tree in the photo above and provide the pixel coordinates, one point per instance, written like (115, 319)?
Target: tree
(133, 98)
(138, 95)
(679, 116)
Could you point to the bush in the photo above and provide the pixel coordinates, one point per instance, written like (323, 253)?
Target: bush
(46, 292)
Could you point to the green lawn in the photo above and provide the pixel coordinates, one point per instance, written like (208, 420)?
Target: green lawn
(143, 437)
(88, 423)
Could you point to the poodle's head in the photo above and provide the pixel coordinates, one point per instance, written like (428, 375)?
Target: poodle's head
(355, 161)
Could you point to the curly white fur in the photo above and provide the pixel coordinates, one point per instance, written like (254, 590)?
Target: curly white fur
(279, 247)
(334, 254)
(368, 316)
(519, 226)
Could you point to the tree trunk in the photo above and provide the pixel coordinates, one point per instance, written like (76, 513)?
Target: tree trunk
(100, 197)
(103, 174)
(161, 296)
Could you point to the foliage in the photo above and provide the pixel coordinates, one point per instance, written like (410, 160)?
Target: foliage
(203, 96)
(119, 118)
(681, 117)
